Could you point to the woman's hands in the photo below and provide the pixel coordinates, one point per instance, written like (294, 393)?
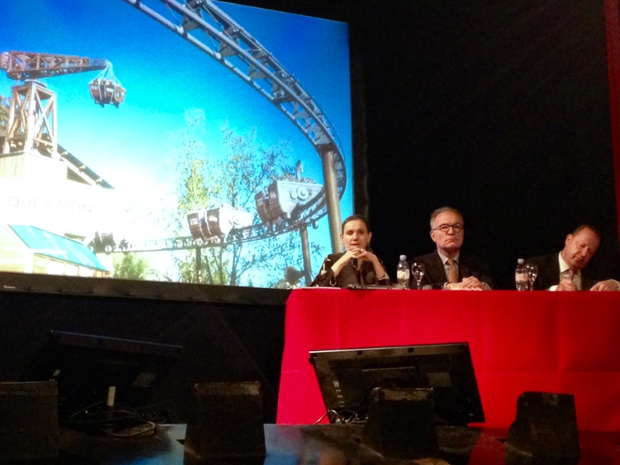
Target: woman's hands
(357, 253)
(361, 254)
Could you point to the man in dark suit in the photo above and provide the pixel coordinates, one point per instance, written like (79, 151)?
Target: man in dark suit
(447, 267)
(564, 271)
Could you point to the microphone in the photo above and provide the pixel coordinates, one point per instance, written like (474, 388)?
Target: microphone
(358, 271)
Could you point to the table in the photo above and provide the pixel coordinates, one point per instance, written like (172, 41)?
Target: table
(317, 444)
(520, 341)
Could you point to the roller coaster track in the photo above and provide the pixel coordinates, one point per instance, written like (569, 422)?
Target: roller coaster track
(234, 48)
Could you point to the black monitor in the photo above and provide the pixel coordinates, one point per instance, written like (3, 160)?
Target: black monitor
(85, 366)
(347, 377)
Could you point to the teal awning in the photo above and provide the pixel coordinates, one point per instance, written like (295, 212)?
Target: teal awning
(52, 245)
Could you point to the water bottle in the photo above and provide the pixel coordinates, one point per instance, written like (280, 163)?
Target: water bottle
(402, 273)
(521, 281)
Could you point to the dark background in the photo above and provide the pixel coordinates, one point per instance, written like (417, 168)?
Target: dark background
(500, 109)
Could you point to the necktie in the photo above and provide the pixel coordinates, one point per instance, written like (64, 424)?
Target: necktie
(453, 274)
(574, 277)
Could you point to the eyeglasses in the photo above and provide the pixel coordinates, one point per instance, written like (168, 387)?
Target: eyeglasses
(445, 228)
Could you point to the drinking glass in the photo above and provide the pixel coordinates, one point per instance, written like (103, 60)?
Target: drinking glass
(532, 272)
(418, 270)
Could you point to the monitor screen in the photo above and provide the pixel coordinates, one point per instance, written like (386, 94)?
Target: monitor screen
(86, 366)
(347, 377)
(172, 141)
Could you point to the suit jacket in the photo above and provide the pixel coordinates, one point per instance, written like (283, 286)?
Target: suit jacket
(549, 273)
(468, 265)
(348, 276)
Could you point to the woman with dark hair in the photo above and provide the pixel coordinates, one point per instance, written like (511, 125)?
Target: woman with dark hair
(358, 265)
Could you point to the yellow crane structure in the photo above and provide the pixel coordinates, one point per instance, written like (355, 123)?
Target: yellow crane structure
(31, 122)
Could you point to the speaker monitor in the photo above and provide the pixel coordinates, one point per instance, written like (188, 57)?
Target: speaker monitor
(544, 431)
(401, 423)
(226, 423)
(28, 421)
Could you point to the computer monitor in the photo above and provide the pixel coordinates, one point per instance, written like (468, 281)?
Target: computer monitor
(347, 376)
(85, 366)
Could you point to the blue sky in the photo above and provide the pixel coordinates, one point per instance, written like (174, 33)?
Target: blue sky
(164, 75)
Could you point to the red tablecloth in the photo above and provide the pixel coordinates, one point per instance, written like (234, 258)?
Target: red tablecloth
(520, 341)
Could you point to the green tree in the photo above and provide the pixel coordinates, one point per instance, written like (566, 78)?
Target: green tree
(234, 178)
(130, 266)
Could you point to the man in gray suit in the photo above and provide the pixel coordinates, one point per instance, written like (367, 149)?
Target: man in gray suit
(448, 267)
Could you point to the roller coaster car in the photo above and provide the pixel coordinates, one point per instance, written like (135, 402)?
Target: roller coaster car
(280, 199)
(105, 91)
(195, 221)
(102, 242)
(217, 223)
